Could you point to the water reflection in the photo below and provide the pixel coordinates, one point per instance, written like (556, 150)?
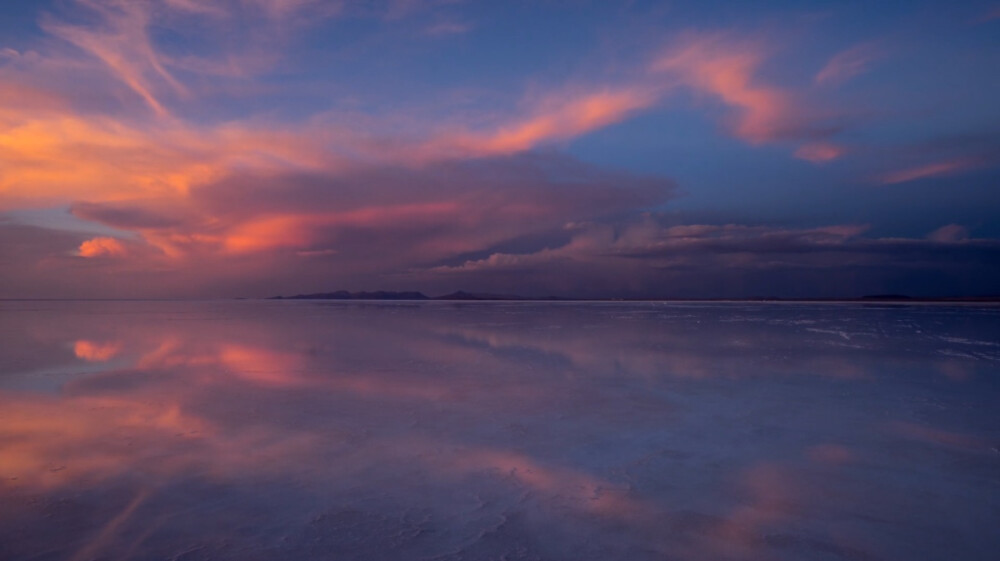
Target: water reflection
(277, 430)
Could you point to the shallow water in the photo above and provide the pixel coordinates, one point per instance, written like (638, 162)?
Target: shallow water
(254, 430)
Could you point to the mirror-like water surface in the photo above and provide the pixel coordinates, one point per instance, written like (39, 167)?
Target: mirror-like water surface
(309, 430)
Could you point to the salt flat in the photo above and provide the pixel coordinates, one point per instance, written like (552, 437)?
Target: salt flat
(498, 430)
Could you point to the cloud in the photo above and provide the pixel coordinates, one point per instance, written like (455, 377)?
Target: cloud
(216, 201)
(102, 247)
(924, 171)
(448, 28)
(560, 117)
(201, 7)
(819, 152)
(225, 38)
(847, 64)
(96, 352)
(398, 9)
(727, 68)
(718, 64)
(645, 238)
(729, 259)
(126, 216)
(950, 233)
(940, 156)
(723, 67)
(209, 194)
(397, 212)
(52, 157)
(123, 44)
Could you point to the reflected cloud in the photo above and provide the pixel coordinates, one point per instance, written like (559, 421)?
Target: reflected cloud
(709, 431)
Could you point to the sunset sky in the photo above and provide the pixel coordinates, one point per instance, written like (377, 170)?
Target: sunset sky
(218, 148)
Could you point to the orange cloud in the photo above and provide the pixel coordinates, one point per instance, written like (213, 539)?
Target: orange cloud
(102, 247)
(54, 157)
(298, 230)
(96, 352)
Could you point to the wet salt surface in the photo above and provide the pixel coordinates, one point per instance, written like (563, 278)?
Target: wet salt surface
(387, 430)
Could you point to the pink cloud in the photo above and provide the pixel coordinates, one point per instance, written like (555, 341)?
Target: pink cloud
(927, 170)
(727, 68)
(819, 152)
(720, 66)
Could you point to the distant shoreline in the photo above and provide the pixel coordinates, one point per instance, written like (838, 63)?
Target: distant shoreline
(973, 301)
(461, 296)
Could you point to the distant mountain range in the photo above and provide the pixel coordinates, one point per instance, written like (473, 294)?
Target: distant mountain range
(405, 295)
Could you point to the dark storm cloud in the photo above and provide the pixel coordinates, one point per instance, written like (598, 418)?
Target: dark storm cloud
(643, 258)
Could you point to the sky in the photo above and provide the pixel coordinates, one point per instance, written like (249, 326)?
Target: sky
(643, 149)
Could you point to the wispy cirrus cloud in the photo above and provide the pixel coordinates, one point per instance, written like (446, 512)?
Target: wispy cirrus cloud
(121, 41)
